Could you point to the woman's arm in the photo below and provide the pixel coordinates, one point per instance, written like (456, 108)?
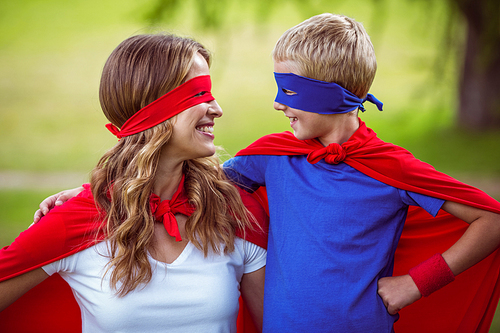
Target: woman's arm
(252, 291)
(12, 289)
(480, 239)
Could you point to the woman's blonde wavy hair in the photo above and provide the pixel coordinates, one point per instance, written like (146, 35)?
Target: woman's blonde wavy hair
(140, 70)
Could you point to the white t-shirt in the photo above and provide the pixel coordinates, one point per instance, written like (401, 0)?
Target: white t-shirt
(192, 294)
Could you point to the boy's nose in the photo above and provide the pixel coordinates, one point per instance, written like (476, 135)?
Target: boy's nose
(279, 107)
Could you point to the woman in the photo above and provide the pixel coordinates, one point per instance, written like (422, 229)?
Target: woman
(171, 259)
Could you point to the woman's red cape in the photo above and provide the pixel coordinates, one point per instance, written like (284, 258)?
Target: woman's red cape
(51, 307)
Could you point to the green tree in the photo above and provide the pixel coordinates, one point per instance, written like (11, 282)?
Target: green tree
(479, 86)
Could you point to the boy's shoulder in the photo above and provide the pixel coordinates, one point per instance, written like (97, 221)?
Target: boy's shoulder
(284, 143)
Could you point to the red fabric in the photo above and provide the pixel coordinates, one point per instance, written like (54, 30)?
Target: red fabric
(66, 230)
(466, 305)
(175, 101)
(256, 203)
(51, 307)
(431, 275)
(164, 211)
(47, 308)
(244, 322)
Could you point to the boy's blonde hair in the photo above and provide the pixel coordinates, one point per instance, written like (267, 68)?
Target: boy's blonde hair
(331, 48)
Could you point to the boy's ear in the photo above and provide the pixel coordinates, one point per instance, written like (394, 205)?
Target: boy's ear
(354, 113)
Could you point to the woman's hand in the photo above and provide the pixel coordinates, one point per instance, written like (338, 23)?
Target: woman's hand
(55, 200)
(397, 292)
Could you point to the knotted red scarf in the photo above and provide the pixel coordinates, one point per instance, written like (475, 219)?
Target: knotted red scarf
(164, 211)
(333, 154)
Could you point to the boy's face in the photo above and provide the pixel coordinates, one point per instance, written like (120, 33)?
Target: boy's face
(308, 125)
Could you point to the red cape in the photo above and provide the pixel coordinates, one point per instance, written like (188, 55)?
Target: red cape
(51, 306)
(466, 305)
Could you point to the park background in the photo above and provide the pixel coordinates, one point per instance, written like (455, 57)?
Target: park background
(52, 52)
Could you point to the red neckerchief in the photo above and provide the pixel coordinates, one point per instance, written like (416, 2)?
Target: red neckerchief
(78, 224)
(468, 304)
(164, 211)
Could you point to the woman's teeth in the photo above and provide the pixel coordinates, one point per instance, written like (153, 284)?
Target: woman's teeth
(207, 129)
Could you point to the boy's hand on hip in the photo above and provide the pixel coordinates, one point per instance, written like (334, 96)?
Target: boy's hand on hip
(397, 292)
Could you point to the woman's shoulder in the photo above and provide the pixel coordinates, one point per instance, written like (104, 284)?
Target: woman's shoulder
(247, 248)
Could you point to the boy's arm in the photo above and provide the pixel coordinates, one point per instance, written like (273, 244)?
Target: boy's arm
(248, 172)
(481, 238)
(231, 168)
(55, 200)
(12, 289)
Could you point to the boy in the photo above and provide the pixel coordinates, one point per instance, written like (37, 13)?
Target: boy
(338, 196)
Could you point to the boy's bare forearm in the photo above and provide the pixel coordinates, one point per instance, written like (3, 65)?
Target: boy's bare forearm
(480, 239)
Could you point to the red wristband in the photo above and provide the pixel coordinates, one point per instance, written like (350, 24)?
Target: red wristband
(431, 275)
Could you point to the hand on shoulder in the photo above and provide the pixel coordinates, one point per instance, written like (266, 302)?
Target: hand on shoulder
(55, 200)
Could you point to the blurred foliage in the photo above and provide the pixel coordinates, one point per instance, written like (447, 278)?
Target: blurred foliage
(52, 52)
(215, 14)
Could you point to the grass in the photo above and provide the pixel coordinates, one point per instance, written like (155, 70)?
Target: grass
(16, 211)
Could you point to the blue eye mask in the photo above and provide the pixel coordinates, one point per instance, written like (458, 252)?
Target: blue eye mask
(318, 96)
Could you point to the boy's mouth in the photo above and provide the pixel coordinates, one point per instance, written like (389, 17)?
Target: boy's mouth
(293, 119)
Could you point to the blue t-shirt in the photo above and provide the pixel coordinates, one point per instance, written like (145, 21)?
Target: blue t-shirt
(333, 233)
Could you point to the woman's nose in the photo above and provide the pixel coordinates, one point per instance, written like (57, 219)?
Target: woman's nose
(214, 109)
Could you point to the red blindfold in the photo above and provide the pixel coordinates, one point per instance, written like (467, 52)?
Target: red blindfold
(193, 92)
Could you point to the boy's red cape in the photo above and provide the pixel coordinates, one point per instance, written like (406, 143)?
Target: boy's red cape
(466, 305)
